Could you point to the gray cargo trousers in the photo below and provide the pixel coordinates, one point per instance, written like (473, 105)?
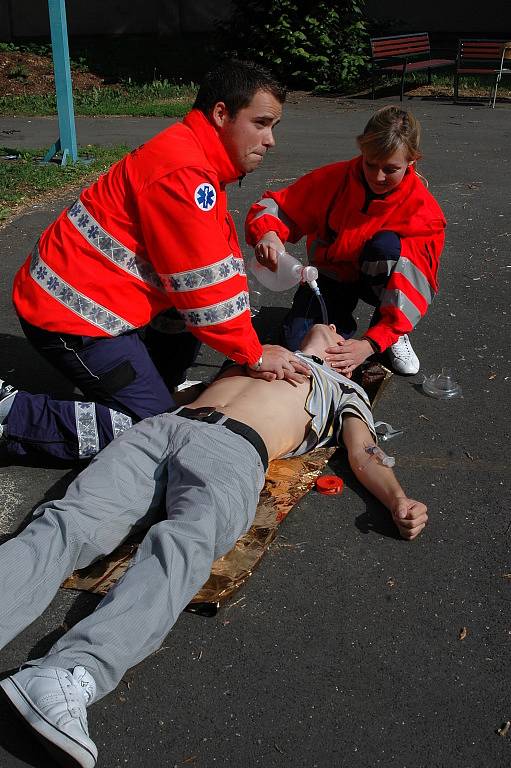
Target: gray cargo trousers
(208, 481)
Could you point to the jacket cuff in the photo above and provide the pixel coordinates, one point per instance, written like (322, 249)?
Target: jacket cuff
(258, 228)
(382, 336)
(250, 354)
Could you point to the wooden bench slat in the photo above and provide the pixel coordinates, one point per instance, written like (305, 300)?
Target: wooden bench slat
(405, 37)
(393, 43)
(387, 53)
(481, 54)
(418, 64)
(478, 70)
(399, 50)
(470, 44)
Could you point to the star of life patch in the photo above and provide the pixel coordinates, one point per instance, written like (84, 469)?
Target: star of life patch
(205, 196)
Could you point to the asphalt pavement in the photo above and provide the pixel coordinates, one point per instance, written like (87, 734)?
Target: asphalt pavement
(347, 647)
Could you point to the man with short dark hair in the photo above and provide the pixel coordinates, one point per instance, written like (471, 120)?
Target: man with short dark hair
(205, 465)
(151, 234)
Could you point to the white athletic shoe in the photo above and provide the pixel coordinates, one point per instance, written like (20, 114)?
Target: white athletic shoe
(402, 357)
(52, 702)
(6, 390)
(7, 395)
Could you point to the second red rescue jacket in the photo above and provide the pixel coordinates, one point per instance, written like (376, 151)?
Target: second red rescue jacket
(329, 206)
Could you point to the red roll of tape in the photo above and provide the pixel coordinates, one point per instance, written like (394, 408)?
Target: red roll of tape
(329, 484)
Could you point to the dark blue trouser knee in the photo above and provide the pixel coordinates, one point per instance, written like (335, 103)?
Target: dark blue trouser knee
(64, 429)
(120, 384)
(377, 260)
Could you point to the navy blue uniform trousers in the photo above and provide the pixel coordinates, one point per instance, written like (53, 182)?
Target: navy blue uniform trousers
(120, 382)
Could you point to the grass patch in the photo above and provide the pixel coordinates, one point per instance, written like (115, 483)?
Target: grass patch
(157, 99)
(24, 180)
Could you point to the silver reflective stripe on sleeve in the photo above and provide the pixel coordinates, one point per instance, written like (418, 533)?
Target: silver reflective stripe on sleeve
(380, 267)
(396, 298)
(111, 248)
(216, 313)
(120, 422)
(270, 208)
(402, 266)
(203, 277)
(86, 430)
(414, 276)
(75, 301)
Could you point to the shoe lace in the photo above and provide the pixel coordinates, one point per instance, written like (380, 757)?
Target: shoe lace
(74, 698)
(403, 346)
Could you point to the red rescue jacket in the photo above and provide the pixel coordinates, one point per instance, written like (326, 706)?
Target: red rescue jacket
(328, 205)
(154, 232)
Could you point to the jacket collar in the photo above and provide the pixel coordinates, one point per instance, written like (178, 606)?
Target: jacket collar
(210, 142)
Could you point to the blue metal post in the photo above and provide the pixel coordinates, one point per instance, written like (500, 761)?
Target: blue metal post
(66, 143)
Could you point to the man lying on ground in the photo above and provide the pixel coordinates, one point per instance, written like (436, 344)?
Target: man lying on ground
(204, 465)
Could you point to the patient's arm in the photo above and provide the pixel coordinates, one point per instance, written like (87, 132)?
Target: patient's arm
(409, 515)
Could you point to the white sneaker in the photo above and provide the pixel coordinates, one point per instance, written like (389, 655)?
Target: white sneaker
(52, 701)
(402, 357)
(7, 395)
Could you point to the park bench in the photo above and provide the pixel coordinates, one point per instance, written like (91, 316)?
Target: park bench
(400, 54)
(479, 57)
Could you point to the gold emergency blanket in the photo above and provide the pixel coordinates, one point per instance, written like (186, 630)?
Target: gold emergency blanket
(287, 480)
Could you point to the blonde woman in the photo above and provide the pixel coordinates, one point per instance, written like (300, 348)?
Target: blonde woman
(375, 233)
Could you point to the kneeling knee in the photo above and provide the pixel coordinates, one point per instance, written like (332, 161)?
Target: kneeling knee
(383, 245)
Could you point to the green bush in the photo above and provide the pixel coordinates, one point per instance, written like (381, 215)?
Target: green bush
(319, 45)
(18, 72)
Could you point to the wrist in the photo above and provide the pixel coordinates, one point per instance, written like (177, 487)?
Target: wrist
(257, 365)
(374, 346)
(395, 499)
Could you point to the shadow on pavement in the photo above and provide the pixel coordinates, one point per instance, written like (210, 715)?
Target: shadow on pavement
(84, 604)
(17, 740)
(373, 520)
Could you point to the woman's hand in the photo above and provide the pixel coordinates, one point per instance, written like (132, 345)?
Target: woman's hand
(268, 249)
(347, 355)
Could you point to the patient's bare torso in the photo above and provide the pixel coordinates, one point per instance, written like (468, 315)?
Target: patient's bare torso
(275, 409)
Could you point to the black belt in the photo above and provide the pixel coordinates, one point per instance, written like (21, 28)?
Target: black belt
(210, 416)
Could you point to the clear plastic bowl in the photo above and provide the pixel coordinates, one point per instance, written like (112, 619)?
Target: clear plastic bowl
(441, 385)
